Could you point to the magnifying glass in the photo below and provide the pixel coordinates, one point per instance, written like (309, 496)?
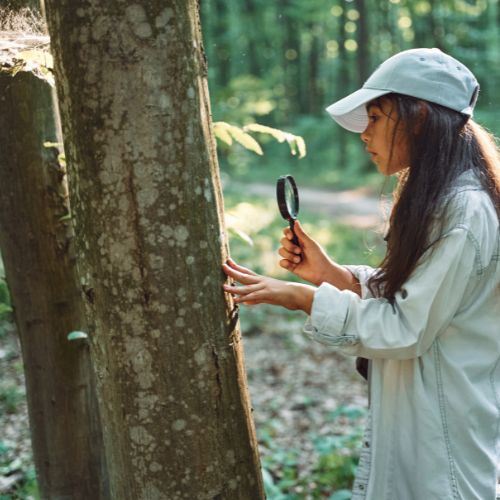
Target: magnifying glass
(288, 201)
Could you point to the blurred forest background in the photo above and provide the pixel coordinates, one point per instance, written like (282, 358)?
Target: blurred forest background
(280, 64)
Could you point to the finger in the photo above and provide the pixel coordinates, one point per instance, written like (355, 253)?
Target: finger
(250, 299)
(288, 233)
(239, 268)
(242, 290)
(244, 278)
(286, 264)
(299, 230)
(288, 245)
(288, 255)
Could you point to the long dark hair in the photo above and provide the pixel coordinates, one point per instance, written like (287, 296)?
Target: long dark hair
(442, 144)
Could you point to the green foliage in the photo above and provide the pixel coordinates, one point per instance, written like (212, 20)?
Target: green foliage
(26, 488)
(227, 132)
(333, 474)
(282, 63)
(37, 61)
(5, 304)
(10, 397)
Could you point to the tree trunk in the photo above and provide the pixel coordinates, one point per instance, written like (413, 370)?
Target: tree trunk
(342, 85)
(148, 210)
(314, 94)
(363, 54)
(253, 27)
(222, 36)
(37, 248)
(291, 59)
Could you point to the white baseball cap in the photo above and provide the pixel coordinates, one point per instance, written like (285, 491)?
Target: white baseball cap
(427, 74)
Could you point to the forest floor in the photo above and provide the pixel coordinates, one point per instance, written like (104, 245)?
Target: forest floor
(303, 394)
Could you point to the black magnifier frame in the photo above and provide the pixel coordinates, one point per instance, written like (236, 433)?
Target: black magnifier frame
(288, 202)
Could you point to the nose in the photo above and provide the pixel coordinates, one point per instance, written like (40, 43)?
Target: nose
(364, 134)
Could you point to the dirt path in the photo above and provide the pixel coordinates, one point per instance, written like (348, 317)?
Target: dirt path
(355, 207)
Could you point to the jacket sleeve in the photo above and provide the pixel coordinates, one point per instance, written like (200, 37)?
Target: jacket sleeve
(363, 274)
(424, 307)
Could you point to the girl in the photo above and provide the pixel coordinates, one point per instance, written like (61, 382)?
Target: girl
(428, 319)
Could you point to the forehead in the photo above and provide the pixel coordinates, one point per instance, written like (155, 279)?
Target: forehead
(381, 104)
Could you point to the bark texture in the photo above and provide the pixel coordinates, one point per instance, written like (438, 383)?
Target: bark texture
(37, 248)
(150, 236)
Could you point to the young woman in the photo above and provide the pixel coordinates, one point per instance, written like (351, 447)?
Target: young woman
(428, 319)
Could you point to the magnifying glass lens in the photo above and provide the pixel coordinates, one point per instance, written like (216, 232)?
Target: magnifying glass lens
(288, 201)
(291, 200)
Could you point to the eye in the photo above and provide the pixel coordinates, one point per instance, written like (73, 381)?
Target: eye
(373, 118)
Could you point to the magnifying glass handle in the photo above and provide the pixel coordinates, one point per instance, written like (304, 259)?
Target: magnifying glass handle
(294, 240)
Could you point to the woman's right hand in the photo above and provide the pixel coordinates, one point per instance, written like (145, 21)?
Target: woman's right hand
(308, 261)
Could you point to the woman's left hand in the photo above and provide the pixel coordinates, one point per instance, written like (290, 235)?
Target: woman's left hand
(257, 289)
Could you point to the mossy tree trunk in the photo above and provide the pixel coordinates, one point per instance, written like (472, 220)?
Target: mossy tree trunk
(37, 247)
(148, 211)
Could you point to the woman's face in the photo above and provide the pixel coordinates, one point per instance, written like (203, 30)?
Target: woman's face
(378, 137)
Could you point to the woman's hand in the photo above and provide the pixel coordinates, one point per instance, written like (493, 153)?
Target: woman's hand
(257, 289)
(308, 261)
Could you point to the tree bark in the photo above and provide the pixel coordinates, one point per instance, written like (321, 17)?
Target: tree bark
(148, 210)
(37, 248)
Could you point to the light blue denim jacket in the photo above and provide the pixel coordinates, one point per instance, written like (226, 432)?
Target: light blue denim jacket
(433, 426)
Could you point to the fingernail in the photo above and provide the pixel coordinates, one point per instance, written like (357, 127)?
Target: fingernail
(296, 259)
(297, 250)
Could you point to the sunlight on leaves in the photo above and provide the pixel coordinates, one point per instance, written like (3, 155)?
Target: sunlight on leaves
(227, 132)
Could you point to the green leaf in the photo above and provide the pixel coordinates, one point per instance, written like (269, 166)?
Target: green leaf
(227, 132)
(272, 490)
(64, 217)
(5, 308)
(296, 142)
(38, 57)
(241, 234)
(301, 146)
(279, 135)
(221, 132)
(246, 140)
(48, 144)
(341, 495)
(77, 335)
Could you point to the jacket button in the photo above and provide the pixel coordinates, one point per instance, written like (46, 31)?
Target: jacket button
(366, 444)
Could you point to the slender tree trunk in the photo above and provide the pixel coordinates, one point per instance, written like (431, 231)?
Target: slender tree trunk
(253, 36)
(314, 95)
(419, 24)
(342, 84)
(437, 28)
(222, 49)
(150, 239)
(291, 59)
(363, 54)
(37, 247)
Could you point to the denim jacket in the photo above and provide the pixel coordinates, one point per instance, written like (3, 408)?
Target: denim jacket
(434, 420)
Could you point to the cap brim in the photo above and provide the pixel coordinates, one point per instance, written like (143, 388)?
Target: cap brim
(350, 112)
